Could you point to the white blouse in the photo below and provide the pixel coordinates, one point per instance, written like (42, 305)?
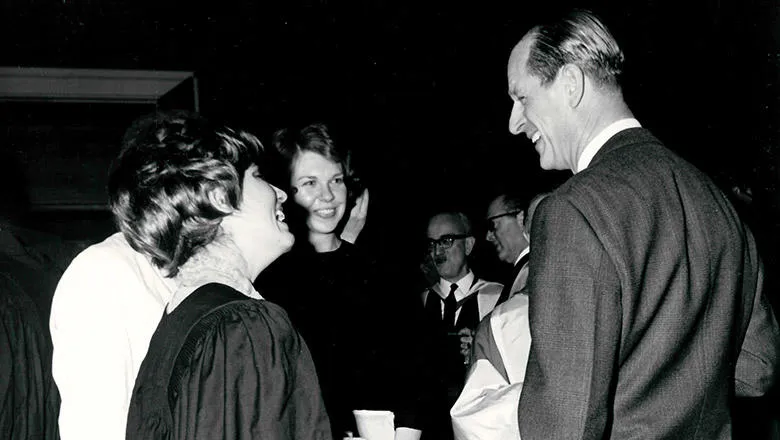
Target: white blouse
(105, 309)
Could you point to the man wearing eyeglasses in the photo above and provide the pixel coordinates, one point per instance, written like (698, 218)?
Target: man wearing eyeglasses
(487, 407)
(453, 308)
(506, 231)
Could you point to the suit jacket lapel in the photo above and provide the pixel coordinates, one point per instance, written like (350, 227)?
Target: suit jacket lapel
(507, 290)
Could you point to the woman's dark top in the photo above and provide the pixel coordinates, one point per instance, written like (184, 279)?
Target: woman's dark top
(225, 366)
(359, 329)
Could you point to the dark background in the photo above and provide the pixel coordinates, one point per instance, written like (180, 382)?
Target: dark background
(418, 88)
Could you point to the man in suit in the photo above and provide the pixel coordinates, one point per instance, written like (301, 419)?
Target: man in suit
(453, 308)
(487, 407)
(646, 305)
(507, 230)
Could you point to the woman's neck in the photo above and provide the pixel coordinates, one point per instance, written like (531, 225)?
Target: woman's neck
(324, 242)
(220, 261)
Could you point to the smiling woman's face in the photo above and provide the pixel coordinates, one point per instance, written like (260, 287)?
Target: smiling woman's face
(321, 191)
(257, 226)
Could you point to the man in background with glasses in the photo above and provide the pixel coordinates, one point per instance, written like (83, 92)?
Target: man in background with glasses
(506, 231)
(453, 308)
(487, 407)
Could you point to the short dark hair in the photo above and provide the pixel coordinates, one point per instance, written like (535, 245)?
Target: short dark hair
(516, 200)
(289, 143)
(579, 38)
(159, 186)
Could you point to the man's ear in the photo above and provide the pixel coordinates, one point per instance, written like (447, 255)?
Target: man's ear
(573, 82)
(520, 218)
(219, 199)
(469, 244)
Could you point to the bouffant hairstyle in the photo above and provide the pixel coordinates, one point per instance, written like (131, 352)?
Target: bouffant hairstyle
(169, 186)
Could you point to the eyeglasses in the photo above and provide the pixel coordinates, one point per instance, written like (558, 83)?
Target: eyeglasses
(490, 222)
(445, 241)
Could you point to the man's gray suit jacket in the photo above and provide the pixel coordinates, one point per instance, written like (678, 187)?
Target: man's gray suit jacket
(642, 284)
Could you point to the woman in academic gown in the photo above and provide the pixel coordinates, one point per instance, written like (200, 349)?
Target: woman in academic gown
(223, 363)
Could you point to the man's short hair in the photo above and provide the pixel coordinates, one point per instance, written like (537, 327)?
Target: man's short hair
(160, 184)
(459, 218)
(515, 200)
(578, 38)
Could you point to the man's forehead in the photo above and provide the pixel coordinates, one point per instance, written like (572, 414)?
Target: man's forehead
(495, 207)
(523, 48)
(444, 225)
(516, 67)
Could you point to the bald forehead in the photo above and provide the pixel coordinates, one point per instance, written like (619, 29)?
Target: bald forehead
(497, 206)
(518, 60)
(522, 49)
(446, 223)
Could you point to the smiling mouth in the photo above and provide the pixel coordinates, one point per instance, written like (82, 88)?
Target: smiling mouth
(280, 216)
(535, 137)
(326, 213)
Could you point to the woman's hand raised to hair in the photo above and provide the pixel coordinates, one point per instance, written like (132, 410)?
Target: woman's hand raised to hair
(357, 219)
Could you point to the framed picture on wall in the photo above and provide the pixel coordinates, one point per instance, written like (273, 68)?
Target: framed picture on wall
(64, 126)
(60, 130)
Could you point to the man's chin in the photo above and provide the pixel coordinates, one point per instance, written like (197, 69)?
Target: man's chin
(551, 165)
(546, 164)
(444, 271)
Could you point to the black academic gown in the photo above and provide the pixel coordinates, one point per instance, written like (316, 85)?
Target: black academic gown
(237, 371)
(29, 401)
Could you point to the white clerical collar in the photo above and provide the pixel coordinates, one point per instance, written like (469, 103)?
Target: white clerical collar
(595, 145)
(464, 285)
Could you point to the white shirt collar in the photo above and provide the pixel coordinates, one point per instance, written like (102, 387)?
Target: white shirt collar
(464, 285)
(595, 145)
(522, 254)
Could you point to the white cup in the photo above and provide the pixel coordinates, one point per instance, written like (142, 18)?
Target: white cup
(375, 425)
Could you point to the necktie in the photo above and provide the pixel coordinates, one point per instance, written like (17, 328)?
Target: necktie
(450, 306)
(507, 290)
